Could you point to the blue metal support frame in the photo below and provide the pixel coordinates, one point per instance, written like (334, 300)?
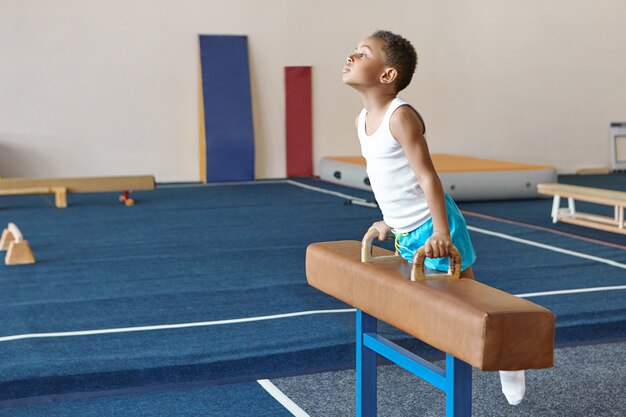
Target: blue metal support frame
(365, 367)
(455, 381)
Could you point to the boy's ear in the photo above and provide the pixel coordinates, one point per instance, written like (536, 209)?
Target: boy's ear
(389, 75)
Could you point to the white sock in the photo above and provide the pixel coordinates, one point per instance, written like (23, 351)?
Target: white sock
(513, 386)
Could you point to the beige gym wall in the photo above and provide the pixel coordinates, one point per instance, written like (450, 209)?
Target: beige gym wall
(110, 87)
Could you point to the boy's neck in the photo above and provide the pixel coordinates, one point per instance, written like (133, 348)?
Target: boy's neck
(377, 101)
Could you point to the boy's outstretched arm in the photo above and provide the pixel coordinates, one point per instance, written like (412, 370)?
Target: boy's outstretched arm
(408, 130)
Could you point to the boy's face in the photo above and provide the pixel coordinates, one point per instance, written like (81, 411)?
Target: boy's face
(366, 64)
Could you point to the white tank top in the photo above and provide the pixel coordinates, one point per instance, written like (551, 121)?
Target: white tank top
(395, 186)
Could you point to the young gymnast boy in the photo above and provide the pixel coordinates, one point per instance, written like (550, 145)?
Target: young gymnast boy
(401, 173)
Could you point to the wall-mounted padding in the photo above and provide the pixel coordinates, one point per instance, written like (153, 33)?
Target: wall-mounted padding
(298, 121)
(226, 104)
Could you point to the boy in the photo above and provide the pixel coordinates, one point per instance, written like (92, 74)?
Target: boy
(401, 173)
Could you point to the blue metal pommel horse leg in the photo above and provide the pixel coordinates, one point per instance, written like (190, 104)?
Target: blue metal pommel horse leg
(455, 381)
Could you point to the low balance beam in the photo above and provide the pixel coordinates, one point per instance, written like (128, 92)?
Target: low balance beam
(61, 186)
(474, 324)
(569, 214)
(83, 185)
(60, 193)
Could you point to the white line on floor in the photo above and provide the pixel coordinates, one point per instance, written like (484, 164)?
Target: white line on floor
(489, 232)
(259, 318)
(282, 398)
(172, 326)
(574, 291)
(548, 247)
(335, 193)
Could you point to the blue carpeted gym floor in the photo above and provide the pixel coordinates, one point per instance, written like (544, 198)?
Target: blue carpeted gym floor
(197, 287)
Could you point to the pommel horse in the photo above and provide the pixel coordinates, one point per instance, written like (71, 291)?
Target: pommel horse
(474, 324)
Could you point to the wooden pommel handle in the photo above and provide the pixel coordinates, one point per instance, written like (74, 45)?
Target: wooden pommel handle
(454, 268)
(366, 247)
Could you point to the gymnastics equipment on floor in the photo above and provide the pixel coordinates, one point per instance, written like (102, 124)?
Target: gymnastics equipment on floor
(126, 199)
(18, 249)
(61, 186)
(474, 324)
(464, 178)
(569, 214)
(60, 193)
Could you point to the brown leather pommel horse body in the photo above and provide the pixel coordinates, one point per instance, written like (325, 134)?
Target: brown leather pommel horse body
(480, 325)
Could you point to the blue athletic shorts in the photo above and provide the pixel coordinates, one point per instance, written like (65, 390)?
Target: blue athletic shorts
(408, 243)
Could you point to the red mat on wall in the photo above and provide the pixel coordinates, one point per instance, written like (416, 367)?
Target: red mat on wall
(299, 128)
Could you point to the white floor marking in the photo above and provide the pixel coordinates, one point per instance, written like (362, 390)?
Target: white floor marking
(282, 398)
(335, 193)
(574, 291)
(548, 247)
(259, 318)
(172, 326)
(489, 232)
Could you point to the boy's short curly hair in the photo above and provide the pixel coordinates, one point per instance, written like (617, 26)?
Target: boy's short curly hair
(400, 54)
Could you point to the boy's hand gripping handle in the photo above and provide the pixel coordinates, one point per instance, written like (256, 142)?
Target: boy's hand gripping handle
(454, 267)
(417, 269)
